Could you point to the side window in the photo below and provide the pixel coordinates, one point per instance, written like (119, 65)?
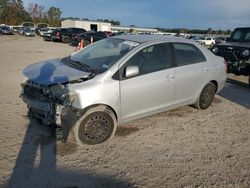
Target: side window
(247, 36)
(79, 31)
(151, 59)
(63, 30)
(187, 54)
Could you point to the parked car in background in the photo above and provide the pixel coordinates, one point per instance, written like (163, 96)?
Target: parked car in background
(206, 41)
(119, 79)
(65, 34)
(87, 37)
(42, 31)
(236, 52)
(14, 28)
(47, 35)
(20, 30)
(6, 30)
(29, 32)
(219, 40)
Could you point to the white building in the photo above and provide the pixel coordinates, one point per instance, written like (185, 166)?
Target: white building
(87, 25)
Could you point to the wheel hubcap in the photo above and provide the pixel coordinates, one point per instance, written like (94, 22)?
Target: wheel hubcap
(95, 128)
(207, 96)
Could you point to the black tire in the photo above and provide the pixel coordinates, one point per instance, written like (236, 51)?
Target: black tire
(206, 97)
(97, 125)
(66, 39)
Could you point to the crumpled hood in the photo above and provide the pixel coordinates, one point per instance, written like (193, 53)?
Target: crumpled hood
(52, 72)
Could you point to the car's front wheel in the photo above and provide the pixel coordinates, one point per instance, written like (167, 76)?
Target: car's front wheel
(206, 97)
(97, 125)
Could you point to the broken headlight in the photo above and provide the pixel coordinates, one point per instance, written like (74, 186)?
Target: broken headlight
(63, 95)
(68, 98)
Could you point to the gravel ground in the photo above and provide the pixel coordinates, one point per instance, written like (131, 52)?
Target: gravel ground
(180, 148)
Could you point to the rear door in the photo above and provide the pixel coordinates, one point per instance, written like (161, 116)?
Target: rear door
(192, 72)
(153, 89)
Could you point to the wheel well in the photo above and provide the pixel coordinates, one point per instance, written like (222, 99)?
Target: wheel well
(94, 105)
(215, 83)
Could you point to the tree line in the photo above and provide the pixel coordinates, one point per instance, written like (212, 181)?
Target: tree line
(12, 12)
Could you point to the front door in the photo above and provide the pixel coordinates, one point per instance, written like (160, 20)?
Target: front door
(153, 88)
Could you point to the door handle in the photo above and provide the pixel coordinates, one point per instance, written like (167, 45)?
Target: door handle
(170, 77)
(204, 69)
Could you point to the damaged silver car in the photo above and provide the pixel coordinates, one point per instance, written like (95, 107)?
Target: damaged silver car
(120, 79)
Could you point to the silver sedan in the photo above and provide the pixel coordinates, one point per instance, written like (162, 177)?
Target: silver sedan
(120, 79)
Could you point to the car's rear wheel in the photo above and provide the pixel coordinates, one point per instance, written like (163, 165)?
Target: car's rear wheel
(97, 125)
(206, 97)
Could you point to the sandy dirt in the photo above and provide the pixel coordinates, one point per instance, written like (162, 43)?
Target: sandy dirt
(180, 148)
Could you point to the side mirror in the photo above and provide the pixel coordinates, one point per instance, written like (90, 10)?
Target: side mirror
(131, 71)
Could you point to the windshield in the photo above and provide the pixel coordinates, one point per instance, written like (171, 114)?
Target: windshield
(242, 35)
(101, 55)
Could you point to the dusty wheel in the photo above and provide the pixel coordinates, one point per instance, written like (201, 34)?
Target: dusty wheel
(66, 39)
(206, 97)
(97, 125)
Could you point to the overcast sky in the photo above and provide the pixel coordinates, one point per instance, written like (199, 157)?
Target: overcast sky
(200, 14)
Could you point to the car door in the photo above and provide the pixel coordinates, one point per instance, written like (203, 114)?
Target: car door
(192, 72)
(153, 88)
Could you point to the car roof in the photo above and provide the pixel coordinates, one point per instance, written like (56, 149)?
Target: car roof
(142, 38)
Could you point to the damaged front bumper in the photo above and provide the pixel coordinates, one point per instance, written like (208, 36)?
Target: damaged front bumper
(48, 111)
(239, 67)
